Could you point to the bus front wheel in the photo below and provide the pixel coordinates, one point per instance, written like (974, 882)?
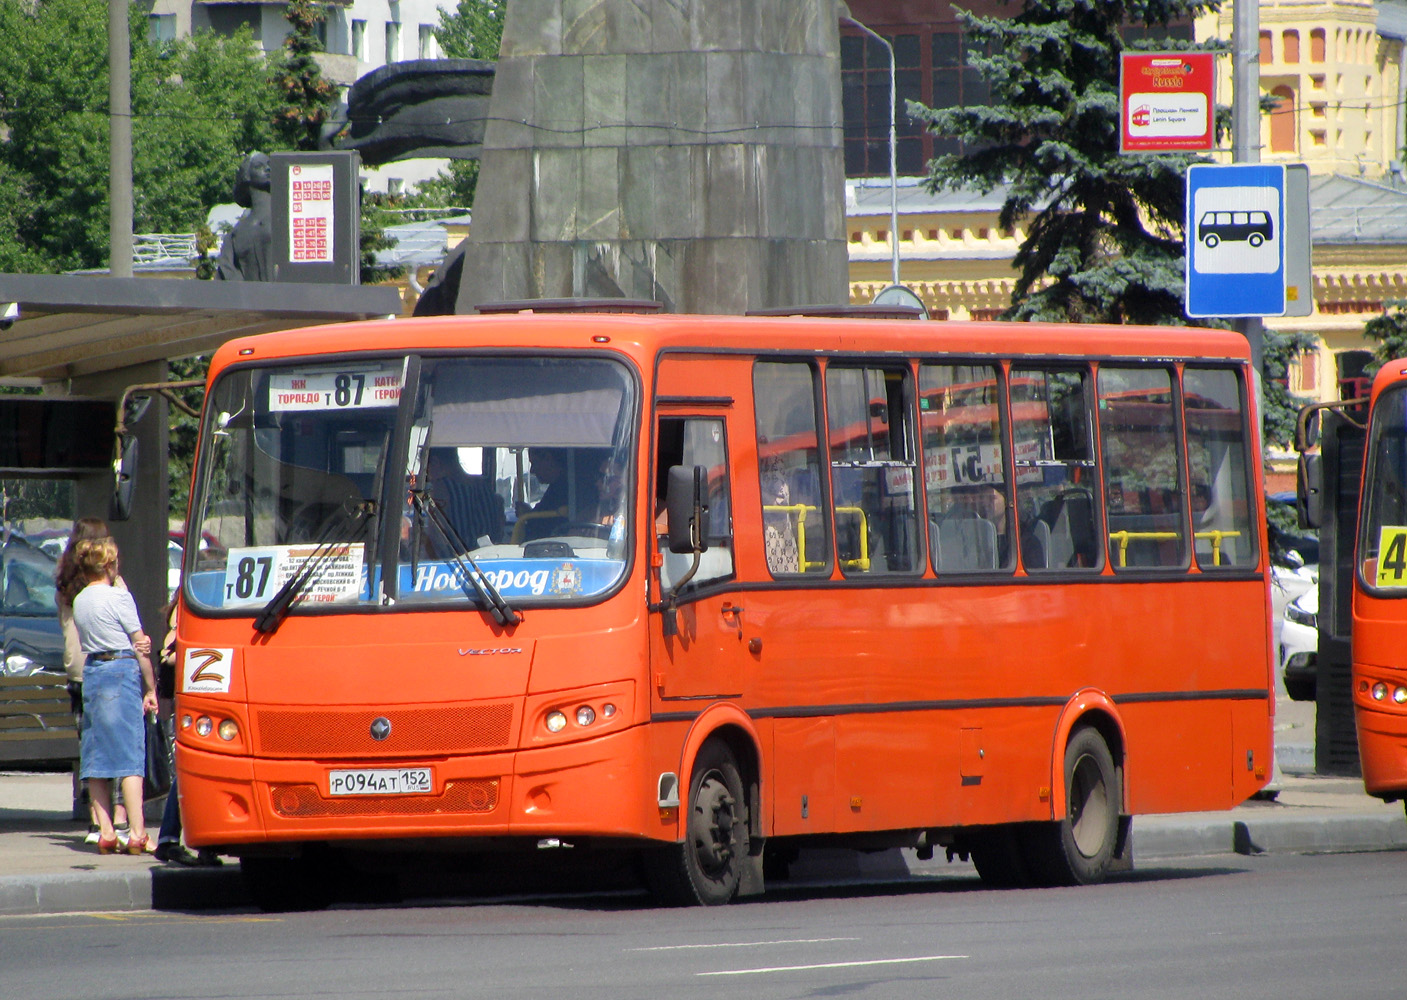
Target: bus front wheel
(1079, 848)
(707, 867)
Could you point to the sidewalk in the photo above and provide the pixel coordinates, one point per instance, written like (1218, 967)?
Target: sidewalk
(46, 868)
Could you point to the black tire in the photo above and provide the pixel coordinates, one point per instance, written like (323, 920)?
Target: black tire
(1256, 239)
(1211, 240)
(1078, 849)
(287, 885)
(999, 855)
(706, 868)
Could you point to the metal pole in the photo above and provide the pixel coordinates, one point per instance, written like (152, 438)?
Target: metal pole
(119, 183)
(893, 148)
(1245, 128)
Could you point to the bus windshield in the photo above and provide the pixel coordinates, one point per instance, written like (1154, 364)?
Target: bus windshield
(515, 474)
(1382, 544)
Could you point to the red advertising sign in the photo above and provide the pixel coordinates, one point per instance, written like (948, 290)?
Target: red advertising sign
(1167, 101)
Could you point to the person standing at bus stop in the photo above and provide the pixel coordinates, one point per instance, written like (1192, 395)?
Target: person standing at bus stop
(119, 687)
(68, 581)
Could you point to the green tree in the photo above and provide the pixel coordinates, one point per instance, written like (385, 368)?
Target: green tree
(307, 99)
(1104, 231)
(1280, 407)
(1390, 331)
(474, 30)
(184, 431)
(197, 104)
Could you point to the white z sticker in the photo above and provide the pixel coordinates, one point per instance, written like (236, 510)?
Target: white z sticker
(207, 670)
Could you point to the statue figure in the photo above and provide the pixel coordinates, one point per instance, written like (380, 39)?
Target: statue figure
(247, 251)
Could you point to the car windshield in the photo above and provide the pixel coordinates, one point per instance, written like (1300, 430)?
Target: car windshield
(519, 467)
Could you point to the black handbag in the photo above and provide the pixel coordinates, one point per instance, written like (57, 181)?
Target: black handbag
(158, 775)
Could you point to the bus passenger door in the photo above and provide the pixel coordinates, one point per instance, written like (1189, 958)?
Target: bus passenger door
(698, 655)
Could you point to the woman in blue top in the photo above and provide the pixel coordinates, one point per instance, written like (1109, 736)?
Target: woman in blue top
(119, 687)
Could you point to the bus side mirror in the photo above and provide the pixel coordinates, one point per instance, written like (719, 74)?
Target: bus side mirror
(687, 509)
(1309, 491)
(124, 477)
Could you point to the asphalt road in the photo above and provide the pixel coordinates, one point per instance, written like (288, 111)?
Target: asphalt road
(1275, 926)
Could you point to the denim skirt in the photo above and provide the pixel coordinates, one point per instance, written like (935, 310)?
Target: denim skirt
(113, 743)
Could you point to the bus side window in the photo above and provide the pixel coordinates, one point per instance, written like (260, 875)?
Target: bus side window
(969, 508)
(691, 441)
(1143, 489)
(870, 429)
(1055, 469)
(1222, 532)
(796, 530)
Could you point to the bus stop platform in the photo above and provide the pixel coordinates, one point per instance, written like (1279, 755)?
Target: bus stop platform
(46, 868)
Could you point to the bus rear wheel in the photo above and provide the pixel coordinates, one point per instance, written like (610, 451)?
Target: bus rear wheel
(705, 870)
(1079, 848)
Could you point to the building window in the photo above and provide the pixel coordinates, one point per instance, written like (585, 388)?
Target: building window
(393, 42)
(359, 40)
(1316, 45)
(427, 42)
(1291, 42)
(1267, 56)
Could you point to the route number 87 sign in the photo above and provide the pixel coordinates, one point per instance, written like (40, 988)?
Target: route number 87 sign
(1392, 556)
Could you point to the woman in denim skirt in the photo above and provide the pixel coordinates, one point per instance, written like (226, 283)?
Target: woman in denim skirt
(119, 687)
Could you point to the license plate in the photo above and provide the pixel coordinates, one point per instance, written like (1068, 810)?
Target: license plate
(387, 781)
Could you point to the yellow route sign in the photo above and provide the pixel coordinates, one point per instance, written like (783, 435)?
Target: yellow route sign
(1392, 556)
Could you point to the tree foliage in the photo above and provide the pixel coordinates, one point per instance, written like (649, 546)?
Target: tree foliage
(1103, 231)
(307, 99)
(1280, 407)
(198, 105)
(1390, 331)
(474, 30)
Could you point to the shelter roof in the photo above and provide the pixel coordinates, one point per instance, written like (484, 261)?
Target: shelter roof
(73, 325)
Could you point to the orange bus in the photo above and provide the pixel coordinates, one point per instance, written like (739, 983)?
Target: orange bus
(1379, 662)
(716, 588)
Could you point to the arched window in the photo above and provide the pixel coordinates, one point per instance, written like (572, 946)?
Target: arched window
(1316, 45)
(1266, 56)
(1291, 42)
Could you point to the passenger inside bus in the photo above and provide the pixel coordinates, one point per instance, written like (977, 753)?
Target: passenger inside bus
(971, 533)
(470, 503)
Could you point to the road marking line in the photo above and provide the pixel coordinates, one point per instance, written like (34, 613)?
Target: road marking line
(743, 944)
(829, 965)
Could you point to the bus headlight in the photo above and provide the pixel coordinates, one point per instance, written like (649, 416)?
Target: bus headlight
(585, 715)
(1399, 695)
(203, 725)
(556, 722)
(228, 730)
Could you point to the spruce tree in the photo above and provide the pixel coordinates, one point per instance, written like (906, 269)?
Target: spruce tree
(307, 97)
(1103, 230)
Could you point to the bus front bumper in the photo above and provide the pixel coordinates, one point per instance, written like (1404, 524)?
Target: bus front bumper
(602, 787)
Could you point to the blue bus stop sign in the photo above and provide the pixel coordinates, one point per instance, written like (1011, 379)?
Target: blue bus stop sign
(1235, 240)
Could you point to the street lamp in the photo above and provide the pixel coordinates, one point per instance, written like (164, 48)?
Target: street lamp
(844, 13)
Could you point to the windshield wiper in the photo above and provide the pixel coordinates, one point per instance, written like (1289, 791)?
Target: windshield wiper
(317, 562)
(499, 608)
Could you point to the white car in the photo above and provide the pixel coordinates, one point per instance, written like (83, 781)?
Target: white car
(174, 553)
(1299, 646)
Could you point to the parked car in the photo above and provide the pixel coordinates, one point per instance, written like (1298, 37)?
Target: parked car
(29, 614)
(1299, 646)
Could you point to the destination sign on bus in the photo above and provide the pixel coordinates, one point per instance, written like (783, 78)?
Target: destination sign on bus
(255, 574)
(334, 390)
